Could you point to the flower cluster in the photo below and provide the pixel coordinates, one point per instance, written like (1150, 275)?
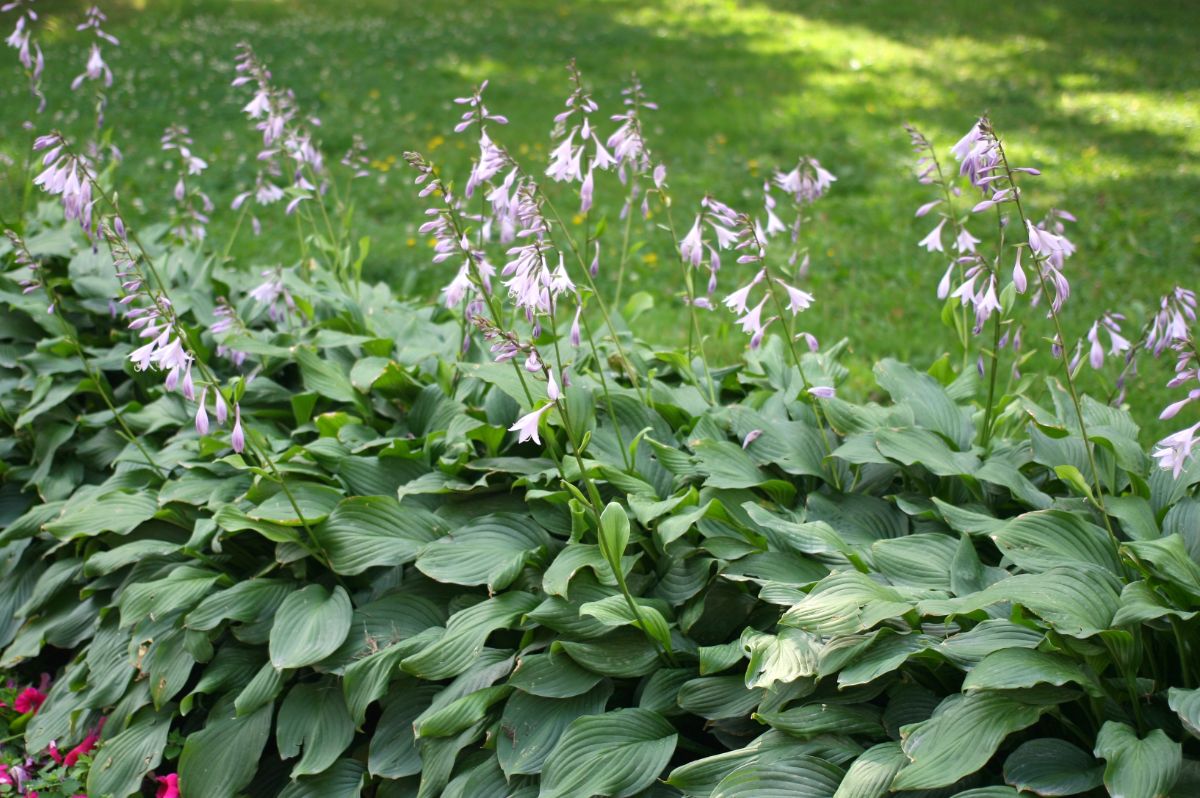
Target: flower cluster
(190, 219)
(67, 176)
(475, 272)
(22, 258)
(753, 250)
(284, 134)
(695, 248)
(29, 52)
(507, 346)
(566, 159)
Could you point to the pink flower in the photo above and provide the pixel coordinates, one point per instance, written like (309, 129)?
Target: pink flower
(29, 700)
(168, 786)
(237, 438)
(85, 747)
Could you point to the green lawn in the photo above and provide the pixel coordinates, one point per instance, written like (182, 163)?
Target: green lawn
(1104, 97)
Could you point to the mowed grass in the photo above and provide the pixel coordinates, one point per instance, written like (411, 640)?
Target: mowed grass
(1104, 97)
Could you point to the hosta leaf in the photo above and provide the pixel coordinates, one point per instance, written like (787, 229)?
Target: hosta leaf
(800, 777)
(920, 560)
(117, 512)
(1138, 767)
(490, 551)
(313, 719)
(393, 753)
(552, 676)
(369, 531)
(871, 774)
(221, 759)
(616, 754)
(308, 503)
(266, 685)
(960, 738)
(918, 446)
(461, 713)
(182, 588)
(927, 399)
(727, 465)
(1167, 559)
(614, 534)
(310, 625)
(121, 763)
(1079, 601)
(623, 653)
(1017, 668)
(324, 376)
(1049, 766)
(246, 601)
(531, 726)
(786, 657)
(1141, 603)
(967, 649)
(343, 780)
(716, 697)
(844, 603)
(465, 634)
(615, 611)
(811, 720)
(1186, 704)
(1046, 539)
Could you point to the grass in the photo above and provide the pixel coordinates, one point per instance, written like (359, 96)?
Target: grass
(1104, 97)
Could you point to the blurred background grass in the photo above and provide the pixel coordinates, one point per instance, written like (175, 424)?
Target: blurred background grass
(1102, 95)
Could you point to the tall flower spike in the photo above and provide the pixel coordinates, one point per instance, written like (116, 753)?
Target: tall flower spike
(29, 51)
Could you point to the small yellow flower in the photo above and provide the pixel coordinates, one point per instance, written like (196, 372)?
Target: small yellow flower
(650, 258)
(435, 142)
(412, 242)
(431, 243)
(391, 159)
(721, 139)
(523, 149)
(577, 219)
(373, 94)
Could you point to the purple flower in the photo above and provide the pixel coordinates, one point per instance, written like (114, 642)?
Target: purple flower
(807, 182)
(1174, 450)
(933, 241)
(202, 413)
(822, 391)
(526, 426)
(751, 437)
(797, 300)
(237, 438)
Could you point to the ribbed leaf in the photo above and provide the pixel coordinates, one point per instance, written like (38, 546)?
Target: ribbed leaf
(120, 765)
(489, 551)
(313, 719)
(871, 774)
(1046, 539)
(369, 531)
(1049, 766)
(310, 625)
(1017, 668)
(616, 754)
(1138, 768)
(531, 726)
(801, 777)
(220, 760)
(960, 738)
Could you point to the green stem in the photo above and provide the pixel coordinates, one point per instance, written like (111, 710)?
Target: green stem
(1062, 349)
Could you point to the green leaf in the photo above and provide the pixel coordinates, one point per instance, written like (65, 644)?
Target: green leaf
(844, 603)
(1138, 768)
(960, 738)
(719, 697)
(393, 753)
(310, 625)
(615, 611)
(491, 550)
(532, 725)
(1186, 704)
(1049, 766)
(782, 658)
(1167, 559)
(615, 754)
(552, 676)
(247, 602)
(371, 531)
(465, 634)
(870, 775)
(118, 512)
(461, 713)
(614, 535)
(181, 589)
(1022, 668)
(1079, 601)
(313, 500)
(324, 376)
(927, 399)
(313, 719)
(220, 760)
(266, 685)
(343, 780)
(918, 446)
(800, 777)
(121, 763)
(1046, 539)
(812, 720)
